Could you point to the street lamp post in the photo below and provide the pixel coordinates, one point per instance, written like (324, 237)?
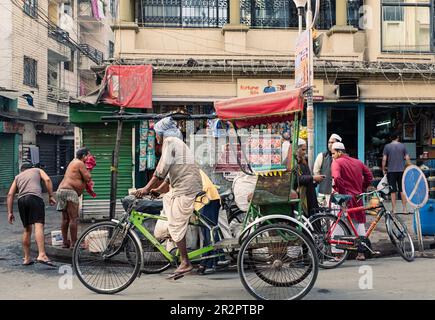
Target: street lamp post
(300, 4)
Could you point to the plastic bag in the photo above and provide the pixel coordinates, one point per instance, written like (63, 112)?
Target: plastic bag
(383, 185)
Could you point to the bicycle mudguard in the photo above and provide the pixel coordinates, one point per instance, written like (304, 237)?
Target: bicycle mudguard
(293, 221)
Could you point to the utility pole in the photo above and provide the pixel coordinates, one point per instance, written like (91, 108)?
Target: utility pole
(300, 4)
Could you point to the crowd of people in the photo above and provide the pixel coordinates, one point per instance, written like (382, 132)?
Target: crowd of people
(180, 180)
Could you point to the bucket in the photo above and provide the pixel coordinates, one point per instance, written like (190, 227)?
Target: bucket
(56, 238)
(97, 240)
(427, 219)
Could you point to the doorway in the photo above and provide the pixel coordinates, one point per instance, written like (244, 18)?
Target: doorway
(344, 122)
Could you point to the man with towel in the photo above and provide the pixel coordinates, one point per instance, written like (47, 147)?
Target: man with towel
(177, 166)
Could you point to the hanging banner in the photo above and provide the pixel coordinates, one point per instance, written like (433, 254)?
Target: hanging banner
(128, 86)
(303, 74)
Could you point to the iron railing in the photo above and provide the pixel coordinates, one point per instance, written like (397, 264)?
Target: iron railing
(56, 93)
(94, 54)
(182, 13)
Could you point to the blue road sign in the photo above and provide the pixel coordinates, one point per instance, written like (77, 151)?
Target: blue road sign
(415, 187)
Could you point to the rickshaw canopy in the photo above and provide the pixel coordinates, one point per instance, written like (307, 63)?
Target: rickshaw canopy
(261, 109)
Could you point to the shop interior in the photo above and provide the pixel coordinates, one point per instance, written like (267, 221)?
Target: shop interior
(343, 121)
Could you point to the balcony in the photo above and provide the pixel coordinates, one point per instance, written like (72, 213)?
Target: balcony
(57, 94)
(94, 54)
(87, 16)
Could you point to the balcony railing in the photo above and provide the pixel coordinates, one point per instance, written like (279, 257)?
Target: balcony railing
(94, 54)
(59, 35)
(87, 13)
(56, 93)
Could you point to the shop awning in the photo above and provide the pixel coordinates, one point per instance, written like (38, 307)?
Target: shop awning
(261, 109)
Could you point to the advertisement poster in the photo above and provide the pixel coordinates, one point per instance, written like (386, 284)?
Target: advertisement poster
(302, 61)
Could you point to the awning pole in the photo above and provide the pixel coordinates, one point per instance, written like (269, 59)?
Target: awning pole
(114, 168)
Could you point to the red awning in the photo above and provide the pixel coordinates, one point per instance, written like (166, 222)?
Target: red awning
(261, 109)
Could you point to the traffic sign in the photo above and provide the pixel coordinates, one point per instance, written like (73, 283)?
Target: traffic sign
(415, 187)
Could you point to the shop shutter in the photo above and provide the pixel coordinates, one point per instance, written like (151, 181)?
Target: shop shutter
(47, 153)
(7, 167)
(100, 139)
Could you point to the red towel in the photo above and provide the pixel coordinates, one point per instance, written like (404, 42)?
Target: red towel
(90, 164)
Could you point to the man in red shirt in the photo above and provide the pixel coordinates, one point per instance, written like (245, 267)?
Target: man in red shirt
(351, 177)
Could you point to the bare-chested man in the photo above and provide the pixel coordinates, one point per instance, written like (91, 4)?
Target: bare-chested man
(68, 193)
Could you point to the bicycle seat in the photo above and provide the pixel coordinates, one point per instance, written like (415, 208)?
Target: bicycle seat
(340, 199)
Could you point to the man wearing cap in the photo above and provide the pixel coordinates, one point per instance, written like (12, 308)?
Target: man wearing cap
(351, 177)
(70, 189)
(32, 208)
(306, 181)
(176, 166)
(322, 166)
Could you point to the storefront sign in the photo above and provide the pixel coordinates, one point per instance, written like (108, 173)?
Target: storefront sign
(11, 127)
(249, 87)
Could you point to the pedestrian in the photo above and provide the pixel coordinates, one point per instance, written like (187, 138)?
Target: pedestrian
(351, 177)
(32, 208)
(306, 182)
(393, 165)
(70, 189)
(322, 166)
(177, 163)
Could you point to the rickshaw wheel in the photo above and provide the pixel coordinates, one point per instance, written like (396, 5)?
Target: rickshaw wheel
(277, 262)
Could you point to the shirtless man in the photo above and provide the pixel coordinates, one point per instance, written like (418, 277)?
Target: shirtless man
(68, 193)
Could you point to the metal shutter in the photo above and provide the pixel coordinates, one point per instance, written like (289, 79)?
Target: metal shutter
(7, 166)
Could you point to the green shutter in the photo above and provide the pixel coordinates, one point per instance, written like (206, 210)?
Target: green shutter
(7, 159)
(100, 139)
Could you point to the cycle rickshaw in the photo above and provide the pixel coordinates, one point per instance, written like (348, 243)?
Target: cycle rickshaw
(276, 256)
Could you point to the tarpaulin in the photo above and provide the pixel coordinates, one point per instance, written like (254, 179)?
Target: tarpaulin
(261, 109)
(128, 86)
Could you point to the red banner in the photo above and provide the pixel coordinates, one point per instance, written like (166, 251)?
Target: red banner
(128, 86)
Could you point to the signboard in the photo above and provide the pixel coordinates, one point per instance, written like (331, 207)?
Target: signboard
(250, 87)
(303, 71)
(11, 127)
(415, 187)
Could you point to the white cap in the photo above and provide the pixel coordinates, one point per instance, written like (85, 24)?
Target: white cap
(336, 137)
(301, 142)
(338, 146)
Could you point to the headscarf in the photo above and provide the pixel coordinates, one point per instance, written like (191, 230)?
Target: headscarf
(167, 127)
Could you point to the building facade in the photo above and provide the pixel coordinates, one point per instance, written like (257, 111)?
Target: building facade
(371, 76)
(48, 48)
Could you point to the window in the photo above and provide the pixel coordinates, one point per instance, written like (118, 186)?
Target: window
(354, 14)
(282, 14)
(69, 65)
(30, 72)
(68, 8)
(113, 8)
(111, 49)
(406, 25)
(31, 7)
(183, 13)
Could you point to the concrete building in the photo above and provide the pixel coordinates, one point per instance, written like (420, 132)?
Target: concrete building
(374, 73)
(48, 48)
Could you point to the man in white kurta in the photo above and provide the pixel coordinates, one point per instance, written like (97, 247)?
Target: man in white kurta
(177, 166)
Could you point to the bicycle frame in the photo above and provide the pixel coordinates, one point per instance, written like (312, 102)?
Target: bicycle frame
(346, 213)
(136, 220)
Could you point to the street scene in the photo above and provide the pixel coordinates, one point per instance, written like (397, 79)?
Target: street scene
(217, 150)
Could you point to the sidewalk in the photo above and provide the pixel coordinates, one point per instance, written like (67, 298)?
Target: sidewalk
(379, 238)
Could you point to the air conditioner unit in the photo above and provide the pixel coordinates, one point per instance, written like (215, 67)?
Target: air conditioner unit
(347, 90)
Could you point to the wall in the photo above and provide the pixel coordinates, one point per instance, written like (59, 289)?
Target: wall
(6, 43)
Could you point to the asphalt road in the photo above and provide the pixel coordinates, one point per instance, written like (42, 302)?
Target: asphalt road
(382, 278)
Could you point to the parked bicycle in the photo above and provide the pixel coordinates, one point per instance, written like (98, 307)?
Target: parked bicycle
(335, 235)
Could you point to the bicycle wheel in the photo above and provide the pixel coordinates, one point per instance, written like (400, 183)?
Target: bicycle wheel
(105, 260)
(277, 262)
(153, 260)
(400, 237)
(329, 255)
